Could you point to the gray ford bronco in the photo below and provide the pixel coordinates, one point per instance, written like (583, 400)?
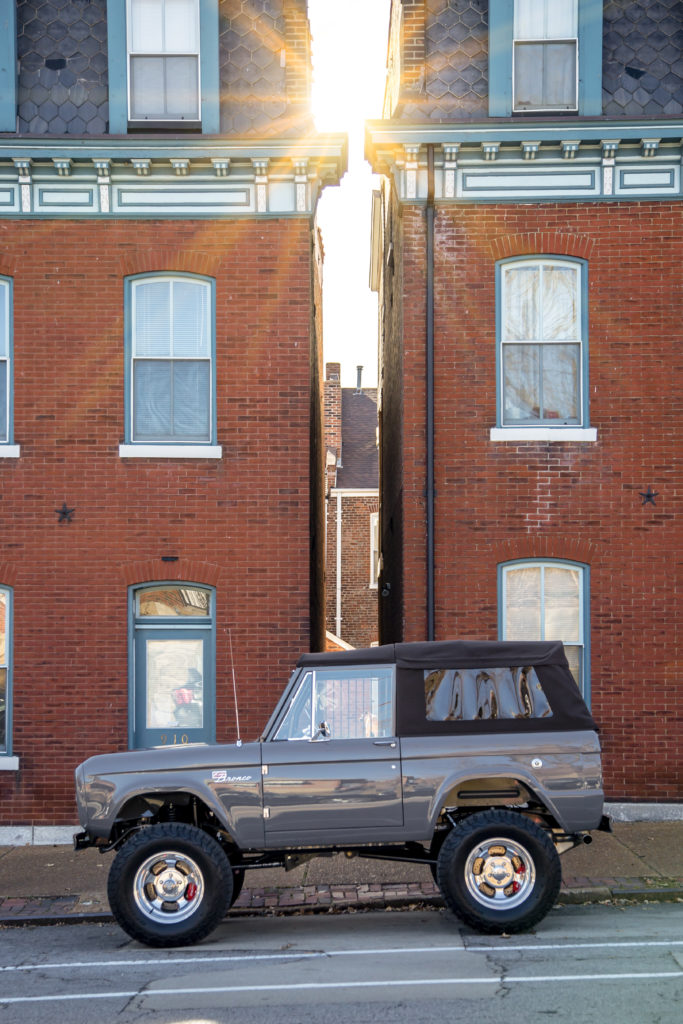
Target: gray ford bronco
(480, 760)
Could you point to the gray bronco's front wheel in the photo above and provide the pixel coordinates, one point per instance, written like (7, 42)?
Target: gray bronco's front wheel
(499, 872)
(170, 885)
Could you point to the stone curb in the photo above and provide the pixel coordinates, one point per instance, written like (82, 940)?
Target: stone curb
(328, 900)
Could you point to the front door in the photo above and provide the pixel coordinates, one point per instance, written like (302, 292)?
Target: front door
(332, 770)
(173, 698)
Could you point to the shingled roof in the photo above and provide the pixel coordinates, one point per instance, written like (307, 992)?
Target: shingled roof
(360, 462)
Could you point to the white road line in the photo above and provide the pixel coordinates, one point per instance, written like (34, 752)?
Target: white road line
(317, 986)
(172, 961)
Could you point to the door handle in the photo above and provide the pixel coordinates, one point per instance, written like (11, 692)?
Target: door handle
(384, 743)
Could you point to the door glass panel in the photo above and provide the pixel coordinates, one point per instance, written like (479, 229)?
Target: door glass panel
(297, 723)
(353, 703)
(175, 684)
(171, 601)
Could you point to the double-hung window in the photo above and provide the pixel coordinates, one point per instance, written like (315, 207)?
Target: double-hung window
(7, 448)
(545, 55)
(548, 601)
(170, 366)
(163, 61)
(542, 327)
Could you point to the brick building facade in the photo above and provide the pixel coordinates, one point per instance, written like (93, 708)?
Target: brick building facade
(161, 443)
(352, 518)
(527, 258)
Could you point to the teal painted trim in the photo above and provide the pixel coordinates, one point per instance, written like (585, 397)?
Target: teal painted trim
(8, 67)
(9, 627)
(117, 55)
(380, 133)
(584, 383)
(128, 354)
(584, 610)
(590, 57)
(210, 75)
(7, 286)
(501, 24)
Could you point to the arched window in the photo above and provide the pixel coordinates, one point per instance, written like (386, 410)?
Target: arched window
(548, 600)
(542, 341)
(173, 686)
(170, 365)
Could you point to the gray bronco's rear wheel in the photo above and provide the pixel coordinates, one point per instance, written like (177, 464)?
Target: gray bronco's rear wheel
(170, 885)
(499, 872)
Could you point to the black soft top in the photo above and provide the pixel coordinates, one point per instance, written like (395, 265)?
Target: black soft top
(446, 654)
(569, 711)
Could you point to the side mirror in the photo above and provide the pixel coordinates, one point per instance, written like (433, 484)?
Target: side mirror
(323, 733)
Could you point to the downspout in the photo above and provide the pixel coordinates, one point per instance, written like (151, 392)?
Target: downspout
(338, 608)
(430, 392)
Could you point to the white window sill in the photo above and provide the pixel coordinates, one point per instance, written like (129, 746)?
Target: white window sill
(170, 451)
(8, 763)
(9, 451)
(544, 434)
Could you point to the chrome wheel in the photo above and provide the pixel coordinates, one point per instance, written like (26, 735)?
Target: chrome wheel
(500, 873)
(168, 887)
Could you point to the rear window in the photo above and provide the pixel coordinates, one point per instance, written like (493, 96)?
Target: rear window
(471, 694)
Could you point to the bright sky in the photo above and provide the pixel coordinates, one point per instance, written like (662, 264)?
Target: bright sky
(349, 57)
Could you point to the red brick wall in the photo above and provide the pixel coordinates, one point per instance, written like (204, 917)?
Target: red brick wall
(359, 626)
(578, 501)
(240, 524)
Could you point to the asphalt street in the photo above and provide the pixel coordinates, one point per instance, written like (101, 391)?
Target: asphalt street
(589, 963)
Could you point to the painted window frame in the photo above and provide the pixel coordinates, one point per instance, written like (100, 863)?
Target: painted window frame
(584, 606)
(138, 624)
(576, 431)
(7, 447)
(178, 448)
(501, 44)
(131, 54)
(7, 761)
(117, 47)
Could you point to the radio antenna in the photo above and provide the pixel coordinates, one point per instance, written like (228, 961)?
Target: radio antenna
(234, 690)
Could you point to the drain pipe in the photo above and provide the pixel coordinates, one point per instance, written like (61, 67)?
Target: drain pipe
(430, 392)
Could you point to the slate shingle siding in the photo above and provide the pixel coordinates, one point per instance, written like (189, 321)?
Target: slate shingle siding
(252, 36)
(643, 58)
(62, 53)
(642, 61)
(63, 72)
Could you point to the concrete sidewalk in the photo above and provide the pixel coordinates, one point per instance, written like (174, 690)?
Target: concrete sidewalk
(49, 884)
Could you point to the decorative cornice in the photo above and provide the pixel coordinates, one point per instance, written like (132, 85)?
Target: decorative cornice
(162, 178)
(497, 162)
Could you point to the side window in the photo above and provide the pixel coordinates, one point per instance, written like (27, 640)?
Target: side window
(548, 601)
(545, 55)
(5, 362)
(163, 60)
(542, 357)
(170, 360)
(341, 704)
(173, 685)
(471, 694)
(5, 661)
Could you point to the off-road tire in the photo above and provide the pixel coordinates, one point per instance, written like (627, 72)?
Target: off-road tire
(499, 872)
(170, 885)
